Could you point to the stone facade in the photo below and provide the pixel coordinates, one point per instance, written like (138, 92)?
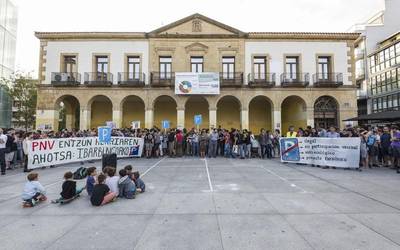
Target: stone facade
(243, 106)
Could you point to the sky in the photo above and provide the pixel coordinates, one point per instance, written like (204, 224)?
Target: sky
(147, 15)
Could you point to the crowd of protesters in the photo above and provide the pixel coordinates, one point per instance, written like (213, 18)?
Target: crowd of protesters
(380, 146)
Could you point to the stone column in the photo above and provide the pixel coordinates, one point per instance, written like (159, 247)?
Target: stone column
(117, 118)
(180, 116)
(69, 121)
(84, 120)
(277, 119)
(148, 119)
(213, 117)
(244, 119)
(310, 116)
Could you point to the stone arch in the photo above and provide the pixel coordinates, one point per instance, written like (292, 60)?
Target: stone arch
(67, 109)
(260, 113)
(101, 110)
(133, 109)
(293, 113)
(196, 105)
(326, 112)
(228, 112)
(165, 108)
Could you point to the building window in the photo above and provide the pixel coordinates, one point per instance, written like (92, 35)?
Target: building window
(228, 67)
(165, 67)
(196, 64)
(101, 67)
(133, 63)
(324, 67)
(69, 64)
(260, 67)
(292, 67)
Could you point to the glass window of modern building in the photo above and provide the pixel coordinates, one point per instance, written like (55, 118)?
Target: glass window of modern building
(8, 40)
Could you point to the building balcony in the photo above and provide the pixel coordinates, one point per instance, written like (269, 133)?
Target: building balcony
(98, 79)
(130, 79)
(162, 79)
(261, 80)
(359, 54)
(231, 79)
(295, 80)
(65, 78)
(328, 79)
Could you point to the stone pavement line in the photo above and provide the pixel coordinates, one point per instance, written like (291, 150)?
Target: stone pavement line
(215, 207)
(285, 180)
(355, 192)
(345, 188)
(154, 165)
(208, 175)
(155, 210)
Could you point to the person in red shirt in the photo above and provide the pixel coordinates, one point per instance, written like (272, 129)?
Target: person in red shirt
(179, 141)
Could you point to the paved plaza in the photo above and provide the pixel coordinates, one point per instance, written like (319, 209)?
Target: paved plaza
(193, 203)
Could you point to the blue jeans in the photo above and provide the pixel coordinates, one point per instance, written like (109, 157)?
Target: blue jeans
(243, 150)
(227, 150)
(213, 149)
(195, 148)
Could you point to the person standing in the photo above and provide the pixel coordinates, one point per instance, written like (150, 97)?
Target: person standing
(385, 146)
(396, 148)
(3, 142)
(213, 143)
(263, 142)
(291, 133)
(179, 143)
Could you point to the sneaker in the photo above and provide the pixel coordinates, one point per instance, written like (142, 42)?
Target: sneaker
(26, 204)
(42, 198)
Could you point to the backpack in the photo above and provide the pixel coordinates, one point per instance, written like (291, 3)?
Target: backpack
(80, 173)
(371, 140)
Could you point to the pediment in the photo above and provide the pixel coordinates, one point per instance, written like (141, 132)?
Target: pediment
(196, 25)
(196, 47)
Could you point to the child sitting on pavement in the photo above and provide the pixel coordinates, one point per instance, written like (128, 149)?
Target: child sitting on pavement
(33, 191)
(112, 180)
(127, 187)
(90, 180)
(135, 176)
(69, 189)
(140, 186)
(101, 194)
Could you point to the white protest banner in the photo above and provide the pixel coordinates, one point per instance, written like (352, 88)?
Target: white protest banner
(188, 83)
(47, 152)
(334, 152)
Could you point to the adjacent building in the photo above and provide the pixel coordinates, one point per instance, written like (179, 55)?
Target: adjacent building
(8, 38)
(377, 56)
(267, 79)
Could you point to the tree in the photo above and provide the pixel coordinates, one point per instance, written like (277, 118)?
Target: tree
(23, 92)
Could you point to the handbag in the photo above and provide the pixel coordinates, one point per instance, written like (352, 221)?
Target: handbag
(235, 149)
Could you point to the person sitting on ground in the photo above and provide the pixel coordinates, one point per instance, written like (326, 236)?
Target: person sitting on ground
(90, 180)
(126, 186)
(33, 191)
(140, 186)
(101, 192)
(69, 189)
(112, 180)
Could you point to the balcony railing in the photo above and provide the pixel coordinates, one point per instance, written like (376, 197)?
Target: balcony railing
(65, 78)
(162, 79)
(328, 79)
(98, 79)
(231, 79)
(295, 80)
(131, 79)
(261, 80)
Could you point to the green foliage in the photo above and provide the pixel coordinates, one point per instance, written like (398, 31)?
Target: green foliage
(24, 93)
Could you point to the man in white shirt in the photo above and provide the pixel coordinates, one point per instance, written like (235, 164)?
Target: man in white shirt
(3, 141)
